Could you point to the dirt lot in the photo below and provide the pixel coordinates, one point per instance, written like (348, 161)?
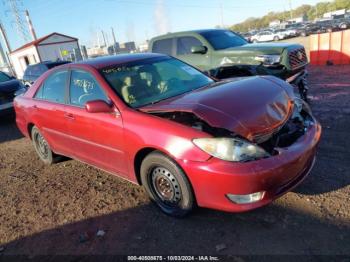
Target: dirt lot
(59, 209)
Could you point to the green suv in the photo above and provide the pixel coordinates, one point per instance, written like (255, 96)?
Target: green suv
(223, 54)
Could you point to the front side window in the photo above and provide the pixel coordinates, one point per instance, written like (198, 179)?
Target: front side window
(84, 88)
(222, 39)
(151, 80)
(184, 44)
(164, 46)
(53, 88)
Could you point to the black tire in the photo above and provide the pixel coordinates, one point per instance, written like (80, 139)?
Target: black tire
(276, 38)
(42, 148)
(255, 41)
(157, 171)
(343, 26)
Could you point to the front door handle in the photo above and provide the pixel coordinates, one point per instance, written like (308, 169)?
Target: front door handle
(69, 115)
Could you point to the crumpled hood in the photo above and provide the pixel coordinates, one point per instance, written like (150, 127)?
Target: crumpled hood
(250, 107)
(10, 86)
(246, 54)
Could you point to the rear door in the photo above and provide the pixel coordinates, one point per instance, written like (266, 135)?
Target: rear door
(96, 137)
(49, 111)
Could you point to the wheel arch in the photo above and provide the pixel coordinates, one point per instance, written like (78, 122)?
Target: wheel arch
(29, 129)
(139, 157)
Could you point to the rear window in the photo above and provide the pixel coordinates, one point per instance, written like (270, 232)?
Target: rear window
(164, 46)
(53, 89)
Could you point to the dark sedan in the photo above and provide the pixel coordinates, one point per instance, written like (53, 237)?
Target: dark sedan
(8, 88)
(33, 72)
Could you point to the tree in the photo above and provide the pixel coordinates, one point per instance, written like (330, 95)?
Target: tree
(311, 12)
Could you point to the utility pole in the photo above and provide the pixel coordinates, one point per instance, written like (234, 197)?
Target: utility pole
(221, 15)
(4, 36)
(30, 25)
(7, 44)
(114, 41)
(104, 38)
(290, 9)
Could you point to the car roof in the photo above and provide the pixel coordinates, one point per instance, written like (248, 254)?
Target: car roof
(105, 61)
(49, 63)
(198, 31)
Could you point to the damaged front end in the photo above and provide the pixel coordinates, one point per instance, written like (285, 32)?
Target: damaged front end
(286, 135)
(283, 136)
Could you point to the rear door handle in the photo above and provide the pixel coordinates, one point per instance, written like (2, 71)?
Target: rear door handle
(69, 115)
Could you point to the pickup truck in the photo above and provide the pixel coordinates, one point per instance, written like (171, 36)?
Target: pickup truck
(223, 54)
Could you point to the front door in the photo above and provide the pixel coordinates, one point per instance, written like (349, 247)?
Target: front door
(97, 138)
(183, 52)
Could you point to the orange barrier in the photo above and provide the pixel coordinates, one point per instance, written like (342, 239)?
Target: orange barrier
(330, 48)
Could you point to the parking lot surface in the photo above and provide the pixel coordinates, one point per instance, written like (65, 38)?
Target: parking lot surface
(71, 208)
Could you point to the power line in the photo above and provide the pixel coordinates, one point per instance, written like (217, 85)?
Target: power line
(18, 18)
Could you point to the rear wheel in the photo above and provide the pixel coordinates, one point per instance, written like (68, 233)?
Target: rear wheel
(276, 38)
(343, 26)
(42, 148)
(167, 185)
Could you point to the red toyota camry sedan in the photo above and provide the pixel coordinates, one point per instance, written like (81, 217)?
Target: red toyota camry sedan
(232, 145)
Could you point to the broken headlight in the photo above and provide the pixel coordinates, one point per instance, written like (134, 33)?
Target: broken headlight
(269, 60)
(231, 149)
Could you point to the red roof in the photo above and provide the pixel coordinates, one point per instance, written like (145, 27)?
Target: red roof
(37, 41)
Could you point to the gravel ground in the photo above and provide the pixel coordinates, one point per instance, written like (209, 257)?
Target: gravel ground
(59, 209)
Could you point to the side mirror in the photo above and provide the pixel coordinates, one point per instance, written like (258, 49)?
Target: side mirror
(98, 106)
(199, 49)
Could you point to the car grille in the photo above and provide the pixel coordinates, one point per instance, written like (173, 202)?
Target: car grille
(297, 58)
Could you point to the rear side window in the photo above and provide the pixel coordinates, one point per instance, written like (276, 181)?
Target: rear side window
(84, 88)
(53, 89)
(164, 46)
(184, 44)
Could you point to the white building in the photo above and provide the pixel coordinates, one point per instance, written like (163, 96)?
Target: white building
(52, 47)
(297, 19)
(330, 15)
(275, 23)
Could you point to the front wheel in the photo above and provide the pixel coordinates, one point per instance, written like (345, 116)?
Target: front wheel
(42, 148)
(276, 38)
(167, 185)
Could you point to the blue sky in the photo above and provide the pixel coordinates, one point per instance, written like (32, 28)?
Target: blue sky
(134, 19)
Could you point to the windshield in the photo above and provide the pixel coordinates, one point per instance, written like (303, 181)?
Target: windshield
(4, 77)
(222, 39)
(150, 80)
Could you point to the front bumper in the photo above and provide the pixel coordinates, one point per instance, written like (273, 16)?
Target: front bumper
(214, 179)
(298, 78)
